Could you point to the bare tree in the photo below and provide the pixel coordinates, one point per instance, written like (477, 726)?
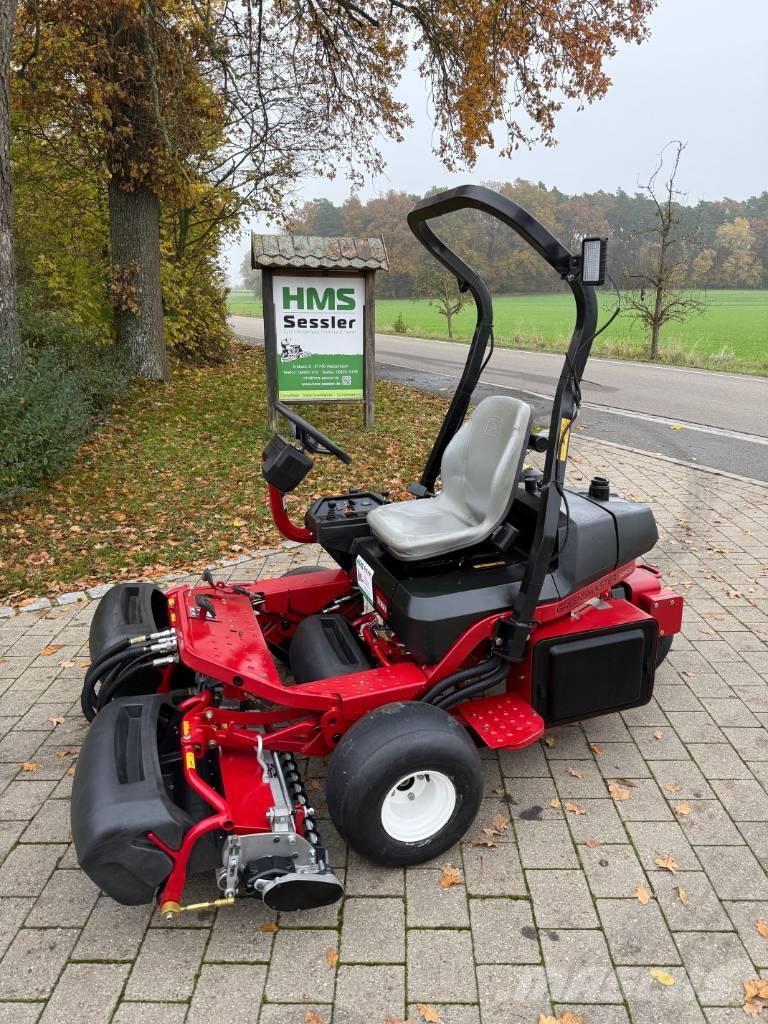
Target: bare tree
(10, 341)
(441, 288)
(664, 257)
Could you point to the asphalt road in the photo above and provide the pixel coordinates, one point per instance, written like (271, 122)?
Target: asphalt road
(719, 420)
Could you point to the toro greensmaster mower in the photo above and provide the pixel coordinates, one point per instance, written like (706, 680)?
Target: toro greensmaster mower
(475, 615)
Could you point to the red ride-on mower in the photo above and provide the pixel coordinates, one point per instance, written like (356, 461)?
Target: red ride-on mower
(474, 616)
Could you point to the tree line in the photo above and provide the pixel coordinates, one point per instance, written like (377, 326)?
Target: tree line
(722, 243)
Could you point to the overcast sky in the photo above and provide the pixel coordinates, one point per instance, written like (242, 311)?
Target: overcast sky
(702, 77)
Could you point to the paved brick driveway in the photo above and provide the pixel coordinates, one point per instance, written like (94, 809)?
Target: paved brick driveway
(548, 920)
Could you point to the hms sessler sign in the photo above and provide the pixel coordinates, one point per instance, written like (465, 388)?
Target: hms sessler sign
(319, 329)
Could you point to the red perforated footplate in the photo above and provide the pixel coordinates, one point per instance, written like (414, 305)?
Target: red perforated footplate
(505, 721)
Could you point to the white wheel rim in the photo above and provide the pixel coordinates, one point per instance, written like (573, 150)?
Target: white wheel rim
(418, 806)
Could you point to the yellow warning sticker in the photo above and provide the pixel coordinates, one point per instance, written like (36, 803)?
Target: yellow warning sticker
(565, 436)
(190, 761)
(185, 727)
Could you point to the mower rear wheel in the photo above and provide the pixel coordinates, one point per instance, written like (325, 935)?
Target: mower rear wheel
(404, 784)
(663, 648)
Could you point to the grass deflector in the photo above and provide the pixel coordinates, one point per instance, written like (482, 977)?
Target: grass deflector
(475, 615)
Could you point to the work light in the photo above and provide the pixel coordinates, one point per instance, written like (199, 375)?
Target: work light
(593, 254)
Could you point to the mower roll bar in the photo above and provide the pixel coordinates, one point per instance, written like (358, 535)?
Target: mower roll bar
(515, 635)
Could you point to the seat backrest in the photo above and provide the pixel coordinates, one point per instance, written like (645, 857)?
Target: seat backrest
(482, 463)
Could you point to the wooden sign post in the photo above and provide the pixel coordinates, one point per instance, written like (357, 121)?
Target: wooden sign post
(319, 318)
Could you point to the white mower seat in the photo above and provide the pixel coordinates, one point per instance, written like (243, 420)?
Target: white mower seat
(479, 473)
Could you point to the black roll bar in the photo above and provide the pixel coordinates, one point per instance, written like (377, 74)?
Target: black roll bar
(565, 401)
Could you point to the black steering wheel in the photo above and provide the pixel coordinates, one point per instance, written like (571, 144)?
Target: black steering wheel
(310, 437)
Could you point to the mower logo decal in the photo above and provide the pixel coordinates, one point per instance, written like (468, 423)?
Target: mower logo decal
(588, 592)
(364, 578)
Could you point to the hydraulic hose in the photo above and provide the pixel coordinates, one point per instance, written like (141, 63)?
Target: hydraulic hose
(463, 676)
(475, 689)
(118, 677)
(109, 667)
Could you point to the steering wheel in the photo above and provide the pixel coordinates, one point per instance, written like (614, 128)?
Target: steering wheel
(310, 437)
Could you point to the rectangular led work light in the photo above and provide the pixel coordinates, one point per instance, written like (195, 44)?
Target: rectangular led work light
(593, 256)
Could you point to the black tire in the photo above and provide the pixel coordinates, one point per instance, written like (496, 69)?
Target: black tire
(390, 744)
(663, 648)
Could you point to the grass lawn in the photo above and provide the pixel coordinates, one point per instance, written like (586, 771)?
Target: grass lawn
(174, 480)
(732, 333)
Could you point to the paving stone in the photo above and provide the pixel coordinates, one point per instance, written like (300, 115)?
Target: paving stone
(440, 966)
(51, 824)
(730, 712)
(13, 911)
(299, 970)
(450, 1013)
(656, 839)
(704, 911)
(612, 871)
(367, 994)
(636, 934)
(652, 1003)
(577, 779)
(167, 964)
(373, 931)
(734, 872)
(545, 844)
(430, 906)
(151, 1013)
(646, 802)
(529, 799)
(27, 868)
(294, 1013)
(621, 760)
(708, 824)
(236, 935)
(87, 993)
(717, 964)
(579, 968)
(561, 899)
(366, 879)
(509, 993)
(503, 932)
(114, 932)
(595, 1014)
(493, 872)
(686, 775)
(749, 744)
(743, 799)
(601, 822)
(222, 987)
(744, 916)
(521, 764)
(66, 901)
(660, 743)
(697, 726)
(34, 960)
(719, 761)
(569, 742)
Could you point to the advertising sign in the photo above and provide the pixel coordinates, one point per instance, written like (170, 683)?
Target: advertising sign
(319, 333)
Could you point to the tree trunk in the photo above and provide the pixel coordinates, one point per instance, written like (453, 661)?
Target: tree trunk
(656, 325)
(10, 339)
(134, 232)
(449, 318)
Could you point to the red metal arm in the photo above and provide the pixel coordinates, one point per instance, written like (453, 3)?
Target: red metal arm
(282, 521)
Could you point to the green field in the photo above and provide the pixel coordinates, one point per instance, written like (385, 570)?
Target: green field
(732, 333)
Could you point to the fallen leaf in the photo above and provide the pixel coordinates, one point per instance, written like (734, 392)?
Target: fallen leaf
(499, 791)
(567, 1018)
(658, 734)
(618, 792)
(500, 823)
(667, 862)
(761, 927)
(549, 739)
(592, 843)
(682, 895)
(56, 721)
(663, 977)
(574, 808)
(489, 843)
(30, 766)
(555, 802)
(596, 748)
(311, 1017)
(51, 649)
(677, 426)
(269, 926)
(755, 996)
(332, 956)
(396, 1020)
(642, 895)
(430, 1014)
(449, 876)
(672, 788)
(66, 752)
(71, 771)
(682, 809)
(575, 773)
(66, 664)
